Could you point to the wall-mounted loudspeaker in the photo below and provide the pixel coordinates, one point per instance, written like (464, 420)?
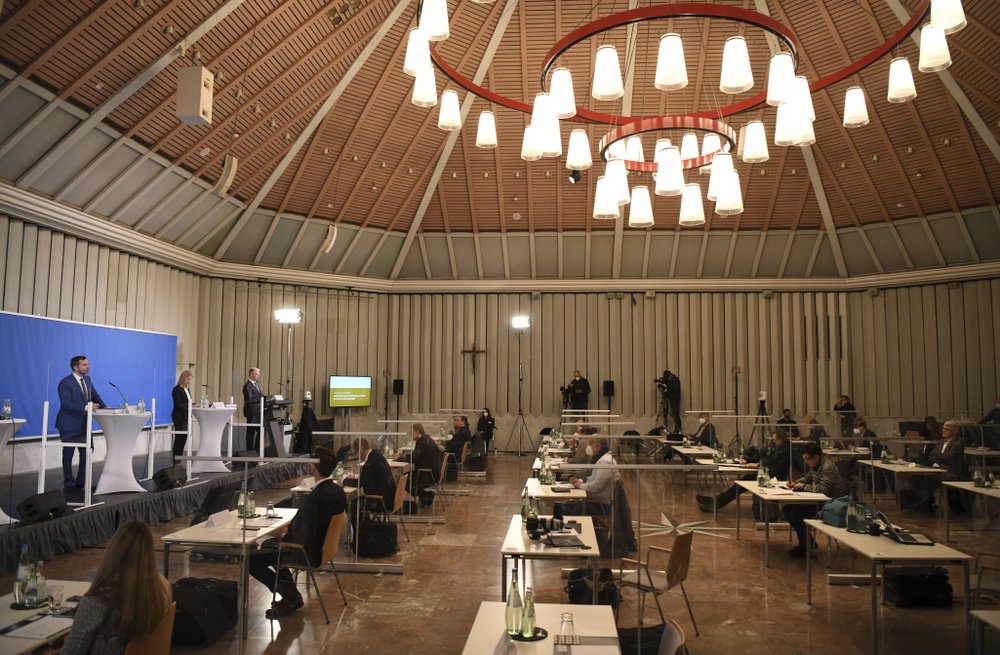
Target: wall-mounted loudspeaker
(609, 388)
(41, 507)
(194, 95)
(397, 387)
(228, 174)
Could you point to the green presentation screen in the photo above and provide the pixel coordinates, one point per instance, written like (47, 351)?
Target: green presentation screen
(350, 391)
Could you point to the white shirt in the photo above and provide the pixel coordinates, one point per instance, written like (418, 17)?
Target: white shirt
(600, 483)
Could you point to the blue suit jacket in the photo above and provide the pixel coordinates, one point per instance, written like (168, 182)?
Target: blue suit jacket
(71, 421)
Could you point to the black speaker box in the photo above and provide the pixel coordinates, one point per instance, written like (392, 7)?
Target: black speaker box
(397, 387)
(41, 507)
(170, 478)
(609, 388)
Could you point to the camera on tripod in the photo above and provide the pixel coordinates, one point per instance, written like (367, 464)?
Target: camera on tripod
(660, 382)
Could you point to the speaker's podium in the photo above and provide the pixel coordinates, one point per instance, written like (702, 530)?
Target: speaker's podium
(274, 433)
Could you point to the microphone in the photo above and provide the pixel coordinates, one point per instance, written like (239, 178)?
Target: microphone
(120, 393)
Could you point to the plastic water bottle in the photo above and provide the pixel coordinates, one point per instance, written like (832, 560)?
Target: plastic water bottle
(204, 401)
(762, 476)
(251, 508)
(22, 576)
(528, 615)
(141, 406)
(514, 607)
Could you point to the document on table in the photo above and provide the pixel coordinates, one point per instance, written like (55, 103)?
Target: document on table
(42, 628)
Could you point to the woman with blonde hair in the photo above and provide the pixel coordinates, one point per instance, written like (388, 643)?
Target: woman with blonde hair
(181, 396)
(127, 599)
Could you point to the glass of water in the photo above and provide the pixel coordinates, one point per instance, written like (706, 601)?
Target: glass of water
(566, 625)
(55, 598)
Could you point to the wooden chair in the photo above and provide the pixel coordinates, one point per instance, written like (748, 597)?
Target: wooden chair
(672, 642)
(985, 580)
(647, 580)
(331, 544)
(157, 640)
(397, 503)
(466, 451)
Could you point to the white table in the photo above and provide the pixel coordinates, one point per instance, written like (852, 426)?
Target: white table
(780, 496)
(544, 491)
(120, 432)
(964, 486)
(981, 619)
(518, 546)
(8, 617)
(8, 428)
(882, 551)
(212, 421)
(694, 451)
(734, 468)
(898, 468)
(595, 624)
(554, 462)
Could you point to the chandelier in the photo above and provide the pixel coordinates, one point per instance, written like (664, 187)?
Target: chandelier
(721, 145)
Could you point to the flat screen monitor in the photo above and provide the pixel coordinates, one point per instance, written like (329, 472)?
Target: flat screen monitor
(350, 391)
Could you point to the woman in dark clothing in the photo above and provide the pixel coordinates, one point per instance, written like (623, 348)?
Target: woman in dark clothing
(486, 426)
(181, 396)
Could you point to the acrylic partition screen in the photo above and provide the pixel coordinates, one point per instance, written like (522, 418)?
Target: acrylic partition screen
(36, 355)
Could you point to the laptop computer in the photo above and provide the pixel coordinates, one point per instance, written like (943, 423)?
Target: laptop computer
(900, 536)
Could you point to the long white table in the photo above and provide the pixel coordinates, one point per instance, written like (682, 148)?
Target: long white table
(882, 551)
(899, 468)
(8, 617)
(8, 428)
(595, 624)
(518, 546)
(780, 496)
(212, 421)
(120, 433)
(981, 619)
(544, 491)
(971, 488)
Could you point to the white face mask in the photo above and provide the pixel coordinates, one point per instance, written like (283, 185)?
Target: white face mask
(702, 421)
(589, 451)
(857, 430)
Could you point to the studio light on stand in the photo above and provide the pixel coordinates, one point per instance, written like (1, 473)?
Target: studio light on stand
(290, 316)
(519, 323)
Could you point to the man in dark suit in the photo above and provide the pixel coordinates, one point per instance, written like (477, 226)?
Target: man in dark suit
(672, 394)
(251, 407)
(775, 459)
(76, 394)
(949, 453)
(579, 391)
(375, 478)
(786, 419)
(459, 437)
(308, 529)
(705, 436)
(425, 455)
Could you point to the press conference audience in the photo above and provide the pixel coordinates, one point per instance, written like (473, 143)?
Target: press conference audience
(775, 458)
(599, 484)
(459, 437)
(127, 598)
(787, 420)
(816, 430)
(425, 455)
(846, 412)
(705, 434)
(821, 477)
(375, 477)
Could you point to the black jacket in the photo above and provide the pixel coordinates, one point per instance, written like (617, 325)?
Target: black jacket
(777, 459)
(251, 401)
(461, 437)
(486, 426)
(425, 455)
(179, 414)
(376, 478)
(705, 436)
(311, 522)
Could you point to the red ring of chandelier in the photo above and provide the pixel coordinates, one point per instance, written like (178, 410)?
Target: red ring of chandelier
(629, 125)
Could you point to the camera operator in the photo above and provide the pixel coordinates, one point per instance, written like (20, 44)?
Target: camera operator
(579, 391)
(670, 386)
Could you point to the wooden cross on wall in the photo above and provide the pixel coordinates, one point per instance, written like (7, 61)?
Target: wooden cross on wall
(474, 351)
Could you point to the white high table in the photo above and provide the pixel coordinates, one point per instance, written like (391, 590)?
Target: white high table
(594, 624)
(882, 551)
(212, 421)
(8, 428)
(120, 433)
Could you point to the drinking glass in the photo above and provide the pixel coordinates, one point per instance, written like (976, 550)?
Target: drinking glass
(55, 598)
(566, 625)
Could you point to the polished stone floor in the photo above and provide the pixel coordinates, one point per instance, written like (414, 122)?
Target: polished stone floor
(741, 606)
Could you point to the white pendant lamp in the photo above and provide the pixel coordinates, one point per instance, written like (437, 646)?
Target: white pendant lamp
(948, 15)
(730, 201)
(449, 118)
(855, 107)
(531, 149)
(754, 143)
(486, 133)
(901, 87)
(578, 157)
(689, 146)
(640, 214)
(710, 143)
(671, 71)
(561, 91)
(633, 149)
(605, 206)
(418, 54)
(692, 209)
(617, 176)
(805, 135)
(669, 174)
(425, 88)
(780, 75)
(737, 76)
(804, 96)
(934, 55)
(434, 19)
(607, 83)
(616, 150)
(784, 124)
(722, 164)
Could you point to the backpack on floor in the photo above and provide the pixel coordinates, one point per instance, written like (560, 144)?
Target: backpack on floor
(206, 609)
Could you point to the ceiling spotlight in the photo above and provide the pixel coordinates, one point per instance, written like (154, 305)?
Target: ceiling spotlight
(168, 30)
(409, 171)
(574, 177)
(354, 158)
(139, 5)
(98, 86)
(205, 152)
(326, 151)
(273, 123)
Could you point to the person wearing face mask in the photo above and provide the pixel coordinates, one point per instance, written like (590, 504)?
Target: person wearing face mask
(860, 429)
(786, 419)
(847, 413)
(775, 457)
(486, 426)
(579, 391)
(599, 485)
(705, 436)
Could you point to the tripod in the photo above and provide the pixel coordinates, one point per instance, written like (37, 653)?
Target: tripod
(759, 422)
(519, 425)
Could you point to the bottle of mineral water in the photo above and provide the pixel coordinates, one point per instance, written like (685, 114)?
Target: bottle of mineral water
(528, 615)
(762, 476)
(514, 607)
(22, 576)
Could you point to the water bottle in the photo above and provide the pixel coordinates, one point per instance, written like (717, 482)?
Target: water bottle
(42, 588)
(241, 506)
(514, 607)
(528, 615)
(21, 578)
(5, 413)
(141, 406)
(251, 508)
(204, 401)
(524, 506)
(977, 479)
(762, 476)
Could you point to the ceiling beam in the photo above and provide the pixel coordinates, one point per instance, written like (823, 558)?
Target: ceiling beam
(484, 65)
(307, 133)
(824, 210)
(100, 113)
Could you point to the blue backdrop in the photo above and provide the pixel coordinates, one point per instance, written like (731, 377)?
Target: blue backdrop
(36, 353)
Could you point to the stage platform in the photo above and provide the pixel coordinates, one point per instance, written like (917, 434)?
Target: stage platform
(96, 525)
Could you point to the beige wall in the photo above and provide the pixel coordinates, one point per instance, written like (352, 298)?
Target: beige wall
(903, 351)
